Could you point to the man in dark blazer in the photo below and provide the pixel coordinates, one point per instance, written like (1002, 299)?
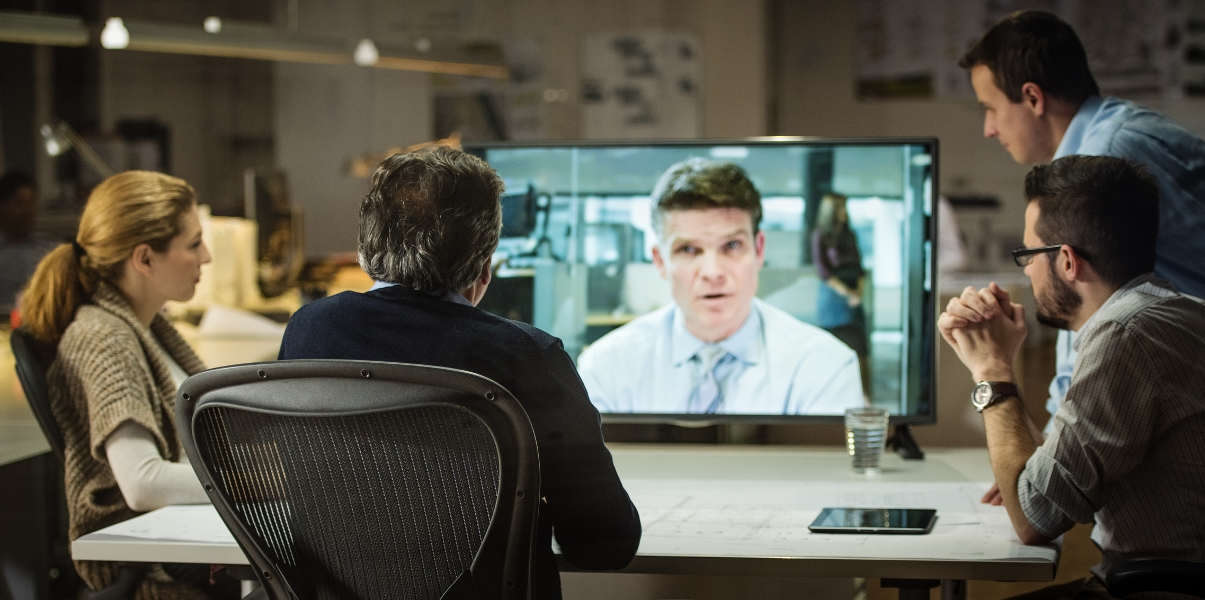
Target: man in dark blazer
(428, 228)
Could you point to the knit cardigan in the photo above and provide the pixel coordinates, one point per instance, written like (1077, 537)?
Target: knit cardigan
(107, 371)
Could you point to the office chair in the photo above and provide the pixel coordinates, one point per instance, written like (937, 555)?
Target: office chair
(33, 357)
(1156, 575)
(352, 479)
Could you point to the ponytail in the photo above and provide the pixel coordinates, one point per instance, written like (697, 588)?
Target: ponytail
(58, 287)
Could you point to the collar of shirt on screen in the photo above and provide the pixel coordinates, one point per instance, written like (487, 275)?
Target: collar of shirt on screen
(747, 344)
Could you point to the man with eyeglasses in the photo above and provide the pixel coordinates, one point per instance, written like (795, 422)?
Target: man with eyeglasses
(1127, 443)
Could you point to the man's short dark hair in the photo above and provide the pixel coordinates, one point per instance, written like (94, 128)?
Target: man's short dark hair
(1034, 46)
(431, 220)
(1106, 208)
(698, 183)
(11, 182)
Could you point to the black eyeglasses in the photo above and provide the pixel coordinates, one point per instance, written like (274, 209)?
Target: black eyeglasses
(1023, 256)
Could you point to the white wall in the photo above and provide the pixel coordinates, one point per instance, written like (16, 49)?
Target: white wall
(731, 35)
(218, 112)
(326, 115)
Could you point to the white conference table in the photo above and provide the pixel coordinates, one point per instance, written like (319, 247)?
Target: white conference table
(730, 510)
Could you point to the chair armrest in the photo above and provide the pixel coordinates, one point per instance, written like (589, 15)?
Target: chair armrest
(1157, 575)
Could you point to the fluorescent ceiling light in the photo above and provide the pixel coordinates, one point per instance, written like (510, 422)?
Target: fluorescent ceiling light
(730, 152)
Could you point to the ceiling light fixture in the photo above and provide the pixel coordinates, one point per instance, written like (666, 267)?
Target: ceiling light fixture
(114, 36)
(366, 54)
(250, 41)
(212, 25)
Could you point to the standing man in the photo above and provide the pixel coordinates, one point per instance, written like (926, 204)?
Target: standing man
(428, 228)
(1040, 101)
(717, 348)
(1127, 443)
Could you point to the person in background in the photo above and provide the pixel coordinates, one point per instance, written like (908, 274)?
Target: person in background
(1030, 73)
(716, 348)
(118, 361)
(1126, 444)
(428, 228)
(20, 247)
(842, 279)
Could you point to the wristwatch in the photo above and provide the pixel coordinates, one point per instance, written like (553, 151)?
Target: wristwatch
(987, 393)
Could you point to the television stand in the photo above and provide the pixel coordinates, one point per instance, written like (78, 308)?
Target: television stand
(904, 444)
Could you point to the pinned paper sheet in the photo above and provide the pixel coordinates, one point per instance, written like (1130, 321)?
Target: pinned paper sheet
(223, 321)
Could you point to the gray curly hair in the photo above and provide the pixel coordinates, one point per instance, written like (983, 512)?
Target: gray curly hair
(431, 220)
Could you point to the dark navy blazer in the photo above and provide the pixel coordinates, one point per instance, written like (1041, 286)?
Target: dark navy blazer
(596, 525)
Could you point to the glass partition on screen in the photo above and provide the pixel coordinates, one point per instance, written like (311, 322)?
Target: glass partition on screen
(838, 308)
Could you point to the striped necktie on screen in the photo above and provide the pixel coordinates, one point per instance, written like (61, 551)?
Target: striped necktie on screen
(715, 364)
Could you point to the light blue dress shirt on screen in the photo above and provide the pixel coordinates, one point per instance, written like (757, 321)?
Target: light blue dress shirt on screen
(1176, 159)
(784, 367)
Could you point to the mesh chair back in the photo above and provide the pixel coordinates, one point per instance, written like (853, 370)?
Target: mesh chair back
(348, 479)
(33, 358)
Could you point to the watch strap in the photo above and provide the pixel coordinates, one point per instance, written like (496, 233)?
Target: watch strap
(1000, 391)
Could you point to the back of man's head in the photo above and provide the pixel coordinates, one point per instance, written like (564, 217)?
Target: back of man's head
(18, 210)
(698, 183)
(1038, 47)
(11, 182)
(1106, 208)
(431, 220)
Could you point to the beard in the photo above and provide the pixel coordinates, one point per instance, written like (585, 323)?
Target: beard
(1056, 307)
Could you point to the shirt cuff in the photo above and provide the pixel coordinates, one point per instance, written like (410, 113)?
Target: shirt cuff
(1042, 514)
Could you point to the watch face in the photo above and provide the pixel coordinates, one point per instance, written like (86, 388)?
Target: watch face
(982, 395)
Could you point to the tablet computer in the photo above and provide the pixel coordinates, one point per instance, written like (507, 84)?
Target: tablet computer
(874, 520)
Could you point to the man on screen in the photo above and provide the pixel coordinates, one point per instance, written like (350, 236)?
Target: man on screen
(716, 349)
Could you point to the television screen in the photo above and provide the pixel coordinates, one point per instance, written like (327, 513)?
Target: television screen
(696, 309)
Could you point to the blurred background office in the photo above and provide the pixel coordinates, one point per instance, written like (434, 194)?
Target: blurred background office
(277, 110)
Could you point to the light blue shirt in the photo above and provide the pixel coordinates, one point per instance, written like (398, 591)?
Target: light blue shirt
(1176, 159)
(783, 366)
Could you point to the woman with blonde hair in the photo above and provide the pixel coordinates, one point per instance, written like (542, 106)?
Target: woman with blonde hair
(118, 361)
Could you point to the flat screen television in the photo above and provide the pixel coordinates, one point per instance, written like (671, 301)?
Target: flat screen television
(584, 267)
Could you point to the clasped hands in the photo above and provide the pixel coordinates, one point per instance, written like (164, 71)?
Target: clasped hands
(985, 329)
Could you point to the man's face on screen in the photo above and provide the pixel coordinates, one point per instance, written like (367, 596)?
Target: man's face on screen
(711, 258)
